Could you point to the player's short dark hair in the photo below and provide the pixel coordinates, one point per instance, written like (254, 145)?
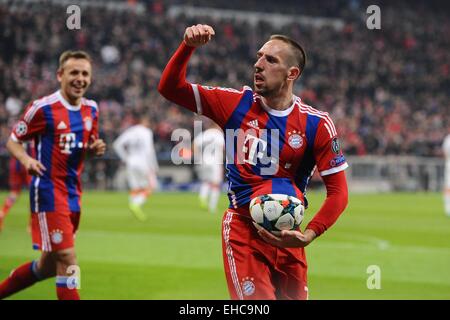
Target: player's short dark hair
(69, 54)
(298, 51)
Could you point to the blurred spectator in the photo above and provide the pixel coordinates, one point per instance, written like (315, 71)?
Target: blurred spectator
(388, 90)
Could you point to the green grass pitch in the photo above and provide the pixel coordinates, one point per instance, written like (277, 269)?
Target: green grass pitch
(176, 253)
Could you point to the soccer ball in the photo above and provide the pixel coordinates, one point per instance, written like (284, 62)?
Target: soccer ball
(277, 212)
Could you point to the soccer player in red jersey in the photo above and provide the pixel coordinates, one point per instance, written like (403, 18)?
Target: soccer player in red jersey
(63, 126)
(18, 178)
(274, 142)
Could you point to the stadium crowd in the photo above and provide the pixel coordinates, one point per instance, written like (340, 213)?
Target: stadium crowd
(387, 90)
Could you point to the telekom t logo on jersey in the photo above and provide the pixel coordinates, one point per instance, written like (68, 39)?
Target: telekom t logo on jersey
(250, 147)
(242, 147)
(67, 142)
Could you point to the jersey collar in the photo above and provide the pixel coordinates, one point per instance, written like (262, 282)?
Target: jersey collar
(66, 103)
(279, 113)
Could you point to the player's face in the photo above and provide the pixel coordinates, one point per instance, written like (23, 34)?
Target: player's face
(271, 68)
(75, 78)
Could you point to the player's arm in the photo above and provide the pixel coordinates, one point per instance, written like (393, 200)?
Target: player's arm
(331, 164)
(119, 146)
(33, 166)
(173, 85)
(215, 103)
(153, 158)
(333, 206)
(31, 124)
(446, 146)
(96, 145)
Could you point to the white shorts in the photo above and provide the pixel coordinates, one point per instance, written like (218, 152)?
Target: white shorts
(140, 178)
(210, 173)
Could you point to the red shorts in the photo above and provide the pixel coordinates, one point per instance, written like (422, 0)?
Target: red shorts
(18, 176)
(54, 231)
(256, 270)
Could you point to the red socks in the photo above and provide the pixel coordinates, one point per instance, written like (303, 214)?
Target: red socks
(19, 279)
(26, 275)
(66, 290)
(9, 202)
(67, 294)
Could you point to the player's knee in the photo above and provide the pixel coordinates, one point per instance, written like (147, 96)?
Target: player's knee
(66, 257)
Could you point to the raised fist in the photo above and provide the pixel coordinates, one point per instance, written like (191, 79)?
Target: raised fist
(198, 35)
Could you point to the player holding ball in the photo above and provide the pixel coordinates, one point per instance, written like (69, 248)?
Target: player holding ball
(274, 142)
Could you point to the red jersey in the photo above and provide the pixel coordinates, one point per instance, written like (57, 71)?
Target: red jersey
(268, 151)
(61, 133)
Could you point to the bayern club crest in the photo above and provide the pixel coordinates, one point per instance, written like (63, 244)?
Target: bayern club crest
(88, 123)
(56, 236)
(248, 287)
(295, 141)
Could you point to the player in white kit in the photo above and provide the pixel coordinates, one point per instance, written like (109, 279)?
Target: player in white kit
(446, 147)
(211, 144)
(136, 149)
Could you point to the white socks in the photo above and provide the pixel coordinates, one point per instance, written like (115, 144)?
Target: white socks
(203, 192)
(447, 202)
(214, 198)
(209, 195)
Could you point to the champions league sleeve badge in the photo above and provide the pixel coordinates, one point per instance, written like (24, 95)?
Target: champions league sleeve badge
(336, 145)
(21, 129)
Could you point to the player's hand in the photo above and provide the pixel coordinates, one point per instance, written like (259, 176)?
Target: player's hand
(198, 35)
(34, 167)
(98, 146)
(288, 238)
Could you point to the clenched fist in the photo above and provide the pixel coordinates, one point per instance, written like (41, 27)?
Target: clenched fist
(198, 35)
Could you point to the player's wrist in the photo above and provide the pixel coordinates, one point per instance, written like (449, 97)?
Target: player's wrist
(189, 45)
(310, 235)
(25, 159)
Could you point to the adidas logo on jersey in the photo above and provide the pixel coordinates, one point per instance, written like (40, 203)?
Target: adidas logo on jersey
(61, 126)
(253, 124)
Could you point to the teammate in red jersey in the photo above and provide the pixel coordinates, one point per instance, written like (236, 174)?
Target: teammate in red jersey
(18, 178)
(63, 126)
(274, 142)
